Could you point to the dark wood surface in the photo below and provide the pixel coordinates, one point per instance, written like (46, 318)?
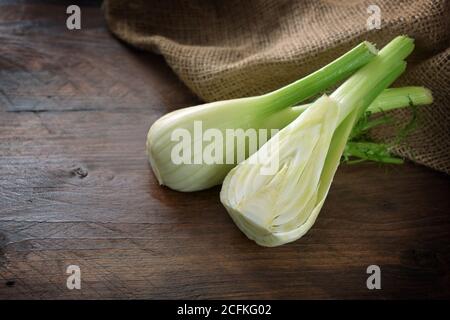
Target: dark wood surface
(76, 189)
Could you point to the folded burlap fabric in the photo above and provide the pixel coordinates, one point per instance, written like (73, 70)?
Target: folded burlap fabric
(229, 49)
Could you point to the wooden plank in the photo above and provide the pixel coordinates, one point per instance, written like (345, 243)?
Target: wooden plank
(75, 188)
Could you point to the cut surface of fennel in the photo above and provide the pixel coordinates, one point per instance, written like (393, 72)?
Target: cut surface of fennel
(274, 209)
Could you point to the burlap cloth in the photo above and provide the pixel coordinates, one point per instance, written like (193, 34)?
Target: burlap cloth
(228, 49)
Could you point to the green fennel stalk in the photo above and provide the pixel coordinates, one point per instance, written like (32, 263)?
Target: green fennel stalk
(389, 99)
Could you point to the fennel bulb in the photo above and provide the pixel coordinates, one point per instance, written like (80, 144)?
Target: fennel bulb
(273, 209)
(244, 113)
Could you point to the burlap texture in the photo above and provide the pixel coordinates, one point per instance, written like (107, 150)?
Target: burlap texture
(228, 49)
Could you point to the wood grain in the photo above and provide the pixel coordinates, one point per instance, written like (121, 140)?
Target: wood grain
(75, 188)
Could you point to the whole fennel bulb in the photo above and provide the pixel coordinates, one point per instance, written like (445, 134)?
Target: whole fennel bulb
(244, 113)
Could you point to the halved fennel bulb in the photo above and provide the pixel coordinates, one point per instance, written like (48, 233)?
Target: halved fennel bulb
(273, 209)
(276, 206)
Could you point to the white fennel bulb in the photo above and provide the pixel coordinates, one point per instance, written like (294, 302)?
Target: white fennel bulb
(281, 206)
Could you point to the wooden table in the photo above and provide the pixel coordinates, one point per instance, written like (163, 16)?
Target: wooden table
(76, 189)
